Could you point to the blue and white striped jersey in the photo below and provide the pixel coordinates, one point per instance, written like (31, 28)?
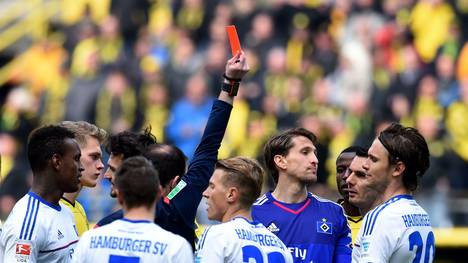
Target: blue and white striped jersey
(397, 231)
(37, 231)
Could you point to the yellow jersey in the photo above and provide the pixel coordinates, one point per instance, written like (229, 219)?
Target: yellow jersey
(81, 220)
(354, 223)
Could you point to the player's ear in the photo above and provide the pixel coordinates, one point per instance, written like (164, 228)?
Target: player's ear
(399, 168)
(232, 194)
(56, 161)
(280, 161)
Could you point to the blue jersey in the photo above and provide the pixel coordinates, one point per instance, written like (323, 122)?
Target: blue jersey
(314, 230)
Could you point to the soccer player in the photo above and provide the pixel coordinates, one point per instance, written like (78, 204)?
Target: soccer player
(39, 228)
(122, 146)
(134, 238)
(89, 138)
(314, 229)
(342, 164)
(360, 195)
(176, 212)
(234, 186)
(397, 229)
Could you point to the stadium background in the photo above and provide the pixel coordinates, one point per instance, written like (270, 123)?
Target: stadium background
(341, 68)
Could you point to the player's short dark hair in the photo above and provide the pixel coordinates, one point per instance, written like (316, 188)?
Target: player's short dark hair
(351, 149)
(407, 145)
(44, 142)
(356, 150)
(138, 182)
(362, 152)
(129, 143)
(168, 160)
(244, 173)
(280, 144)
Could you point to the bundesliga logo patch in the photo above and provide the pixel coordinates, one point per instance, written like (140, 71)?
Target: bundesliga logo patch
(23, 251)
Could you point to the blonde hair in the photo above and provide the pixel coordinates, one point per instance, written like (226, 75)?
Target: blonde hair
(82, 129)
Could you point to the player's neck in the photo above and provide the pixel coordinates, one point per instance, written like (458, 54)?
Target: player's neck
(288, 191)
(47, 191)
(139, 213)
(236, 212)
(390, 192)
(350, 209)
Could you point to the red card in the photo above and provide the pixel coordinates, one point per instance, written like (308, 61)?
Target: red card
(233, 39)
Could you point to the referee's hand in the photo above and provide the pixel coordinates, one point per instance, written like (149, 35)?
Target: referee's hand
(237, 66)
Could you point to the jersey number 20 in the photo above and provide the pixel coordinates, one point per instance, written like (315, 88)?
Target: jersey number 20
(253, 252)
(415, 240)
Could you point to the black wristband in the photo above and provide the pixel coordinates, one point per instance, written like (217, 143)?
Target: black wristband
(231, 88)
(231, 79)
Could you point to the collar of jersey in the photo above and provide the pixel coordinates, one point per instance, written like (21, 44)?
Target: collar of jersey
(135, 221)
(36, 196)
(285, 207)
(397, 197)
(392, 200)
(253, 222)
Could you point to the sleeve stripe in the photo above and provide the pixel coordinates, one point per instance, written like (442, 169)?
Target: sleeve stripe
(30, 216)
(25, 218)
(203, 238)
(34, 221)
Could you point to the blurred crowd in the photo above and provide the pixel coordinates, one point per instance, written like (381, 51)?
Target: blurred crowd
(340, 68)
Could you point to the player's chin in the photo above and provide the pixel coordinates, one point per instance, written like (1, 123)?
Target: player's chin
(352, 197)
(310, 178)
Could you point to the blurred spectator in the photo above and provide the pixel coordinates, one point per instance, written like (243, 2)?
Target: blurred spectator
(14, 175)
(116, 103)
(430, 21)
(189, 114)
(132, 15)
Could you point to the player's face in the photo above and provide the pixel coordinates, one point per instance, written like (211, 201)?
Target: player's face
(70, 168)
(114, 162)
(301, 161)
(360, 189)
(216, 195)
(91, 160)
(378, 168)
(342, 163)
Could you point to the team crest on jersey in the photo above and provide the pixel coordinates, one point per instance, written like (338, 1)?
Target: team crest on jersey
(324, 227)
(273, 228)
(23, 251)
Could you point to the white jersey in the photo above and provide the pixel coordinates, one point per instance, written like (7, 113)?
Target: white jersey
(37, 231)
(132, 241)
(397, 231)
(241, 241)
